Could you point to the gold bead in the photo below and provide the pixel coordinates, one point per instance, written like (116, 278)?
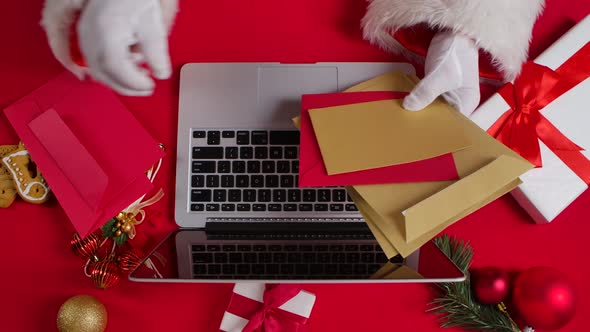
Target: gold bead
(118, 224)
(126, 228)
(118, 232)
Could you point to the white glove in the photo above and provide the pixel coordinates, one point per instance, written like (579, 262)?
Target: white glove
(107, 29)
(451, 70)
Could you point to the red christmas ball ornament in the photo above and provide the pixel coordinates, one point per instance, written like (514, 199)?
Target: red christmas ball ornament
(544, 298)
(131, 259)
(490, 285)
(105, 273)
(87, 247)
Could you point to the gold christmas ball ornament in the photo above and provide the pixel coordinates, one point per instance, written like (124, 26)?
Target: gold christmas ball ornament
(82, 313)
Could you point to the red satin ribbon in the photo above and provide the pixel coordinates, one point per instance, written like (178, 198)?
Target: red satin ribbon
(266, 316)
(521, 127)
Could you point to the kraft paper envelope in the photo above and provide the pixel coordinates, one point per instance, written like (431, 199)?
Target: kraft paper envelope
(370, 135)
(404, 216)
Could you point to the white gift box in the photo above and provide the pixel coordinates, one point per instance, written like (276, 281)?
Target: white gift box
(546, 191)
(300, 305)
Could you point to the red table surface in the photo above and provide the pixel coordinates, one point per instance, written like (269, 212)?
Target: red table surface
(38, 271)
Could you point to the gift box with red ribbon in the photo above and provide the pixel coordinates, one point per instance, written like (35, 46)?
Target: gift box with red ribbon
(544, 115)
(267, 308)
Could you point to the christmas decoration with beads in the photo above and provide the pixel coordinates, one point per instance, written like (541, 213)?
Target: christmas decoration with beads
(542, 297)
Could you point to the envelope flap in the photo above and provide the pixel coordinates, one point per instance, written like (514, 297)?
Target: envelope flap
(465, 194)
(84, 173)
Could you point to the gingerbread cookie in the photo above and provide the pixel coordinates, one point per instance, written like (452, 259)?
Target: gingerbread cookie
(27, 178)
(7, 186)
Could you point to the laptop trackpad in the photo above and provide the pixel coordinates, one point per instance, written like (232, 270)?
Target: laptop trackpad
(280, 89)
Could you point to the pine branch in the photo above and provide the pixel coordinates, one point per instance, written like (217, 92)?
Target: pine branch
(457, 304)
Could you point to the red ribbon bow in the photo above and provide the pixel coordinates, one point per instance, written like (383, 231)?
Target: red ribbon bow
(267, 316)
(522, 126)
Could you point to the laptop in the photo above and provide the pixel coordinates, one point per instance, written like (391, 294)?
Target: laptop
(241, 212)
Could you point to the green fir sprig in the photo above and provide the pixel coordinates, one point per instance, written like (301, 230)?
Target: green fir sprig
(456, 302)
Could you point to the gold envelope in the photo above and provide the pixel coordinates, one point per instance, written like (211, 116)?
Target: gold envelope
(405, 216)
(382, 133)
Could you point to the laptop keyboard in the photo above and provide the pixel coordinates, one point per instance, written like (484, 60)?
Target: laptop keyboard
(255, 171)
(316, 260)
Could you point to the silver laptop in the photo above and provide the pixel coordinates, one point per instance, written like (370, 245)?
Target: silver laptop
(241, 212)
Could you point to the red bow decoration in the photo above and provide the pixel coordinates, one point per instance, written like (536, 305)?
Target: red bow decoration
(267, 316)
(522, 126)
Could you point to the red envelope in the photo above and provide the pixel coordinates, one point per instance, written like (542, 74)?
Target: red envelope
(93, 153)
(312, 171)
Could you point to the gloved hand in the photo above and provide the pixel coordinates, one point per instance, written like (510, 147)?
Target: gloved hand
(451, 70)
(107, 29)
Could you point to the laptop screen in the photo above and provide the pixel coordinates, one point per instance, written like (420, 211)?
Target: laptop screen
(192, 255)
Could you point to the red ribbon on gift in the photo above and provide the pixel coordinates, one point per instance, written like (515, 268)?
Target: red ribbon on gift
(267, 316)
(523, 125)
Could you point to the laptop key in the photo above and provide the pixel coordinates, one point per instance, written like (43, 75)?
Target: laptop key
(381, 258)
(228, 134)
(199, 269)
(264, 195)
(360, 269)
(287, 181)
(231, 152)
(244, 247)
(316, 269)
(290, 152)
(259, 207)
(287, 269)
(203, 167)
(261, 152)
(207, 152)
(219, 195)
(353, 257)
(290, 207)
(198, 247)
(294, 257)
(295, 166)
(202, 258)
(276, 152)
(235, 257)
(308, 257)
(283, 166)
(223, 167)
(320, 207)
(338, 195)
(243, 138)
(331, 269)
(243, 269)
(228, 207)
(324, 195)
(259, 247)
(268, 166)
(220, 257)
(305, 207)
(351, 207)
(238, 166)
(308, 195)
(259, 137)
(197, 207)
(367, 257)
(265, 257)
(279, 195)
(272, 247)
(212, 207)
(250, 257)
(272, 181)
(249, 195)
(227, 181)
(274, 207)
(199, 134)
(336, 207)
(272, 268)
(201, 195)
(301, 269)
(246, 152)
(212, 181)
(242, 181)
(257, 181)
(279, 257)
(243, 207)
(228, 269)
(198, 181)
(258, 268)
(284, 137)
(234, 195)
(253, 166)
(228, 247)
(372, 268)
(294, 195)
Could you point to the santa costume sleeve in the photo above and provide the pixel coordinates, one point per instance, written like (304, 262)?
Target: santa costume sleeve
(500, 28)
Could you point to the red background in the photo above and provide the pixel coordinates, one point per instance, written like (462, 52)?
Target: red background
(38, 271)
